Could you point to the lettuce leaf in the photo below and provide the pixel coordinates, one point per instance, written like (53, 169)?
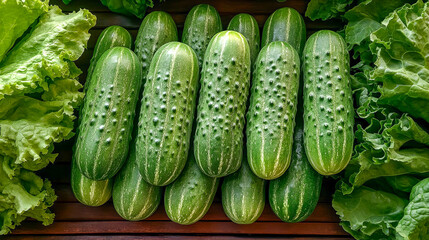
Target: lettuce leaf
(402, 65)
(382, 153)
(326, 9)
(46, 52)
(128, 7)
(415, 223)
(16, 17)
(369, 214)
(392, 142)
(23, 194)
(366, 17)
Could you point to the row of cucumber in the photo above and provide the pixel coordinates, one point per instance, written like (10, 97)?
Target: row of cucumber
(131, 159)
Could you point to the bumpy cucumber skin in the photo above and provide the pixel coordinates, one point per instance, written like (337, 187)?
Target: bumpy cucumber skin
(108, 112)
(89, 192)
(246, 24)
(243, 195)
(189, 198)
(294, 196)
(225, 80)
(113, 36)
(285, 24)
(157, 29)
(328, 104)
(167, 113)
(273, 106)
(133, 198)
(201, 24)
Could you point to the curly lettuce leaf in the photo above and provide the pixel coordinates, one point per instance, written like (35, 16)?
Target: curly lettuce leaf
(369, 214)
(30, 127)
(402, 65)
(386, 153)
(326, 9)
(46, 52)
(16, 17)
(23, 194)
(415, 223)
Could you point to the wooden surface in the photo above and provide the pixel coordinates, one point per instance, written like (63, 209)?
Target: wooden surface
(78, 222)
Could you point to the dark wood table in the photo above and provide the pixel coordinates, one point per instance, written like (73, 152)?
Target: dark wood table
(76, 221)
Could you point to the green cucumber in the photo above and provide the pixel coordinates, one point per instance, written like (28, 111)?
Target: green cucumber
(133, 198)
(113, 36)
(328, 104)
(246, 24)
(273, 106)
(225, 80)
(89, 192)
(189, 198)
(201, 24)
(287, 25)
(167, 113)
(294, 196)
(243, 195)
(106, 124)
(157, 29)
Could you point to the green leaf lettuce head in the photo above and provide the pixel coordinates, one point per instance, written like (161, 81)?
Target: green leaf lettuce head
(392, 136)
(39, 90)
(16, 17)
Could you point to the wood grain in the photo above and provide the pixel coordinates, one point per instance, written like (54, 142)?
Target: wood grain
(67, 212)
(164, 237)
(201, 227)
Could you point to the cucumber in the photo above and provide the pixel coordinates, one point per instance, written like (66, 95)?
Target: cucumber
(106, 124)
(167, 113)
(157, 29)
(294, 196)
(113, 36)
(189, 198)
(243, 195)
(273, 106)
(201, 24)
(133, 198)
(225, 80)
(287, 25)
(246, 24)
(89, 192)
(328, 104)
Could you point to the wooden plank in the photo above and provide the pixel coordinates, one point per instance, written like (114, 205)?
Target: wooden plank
(79, 212)
(201, 227)
(164, 237)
